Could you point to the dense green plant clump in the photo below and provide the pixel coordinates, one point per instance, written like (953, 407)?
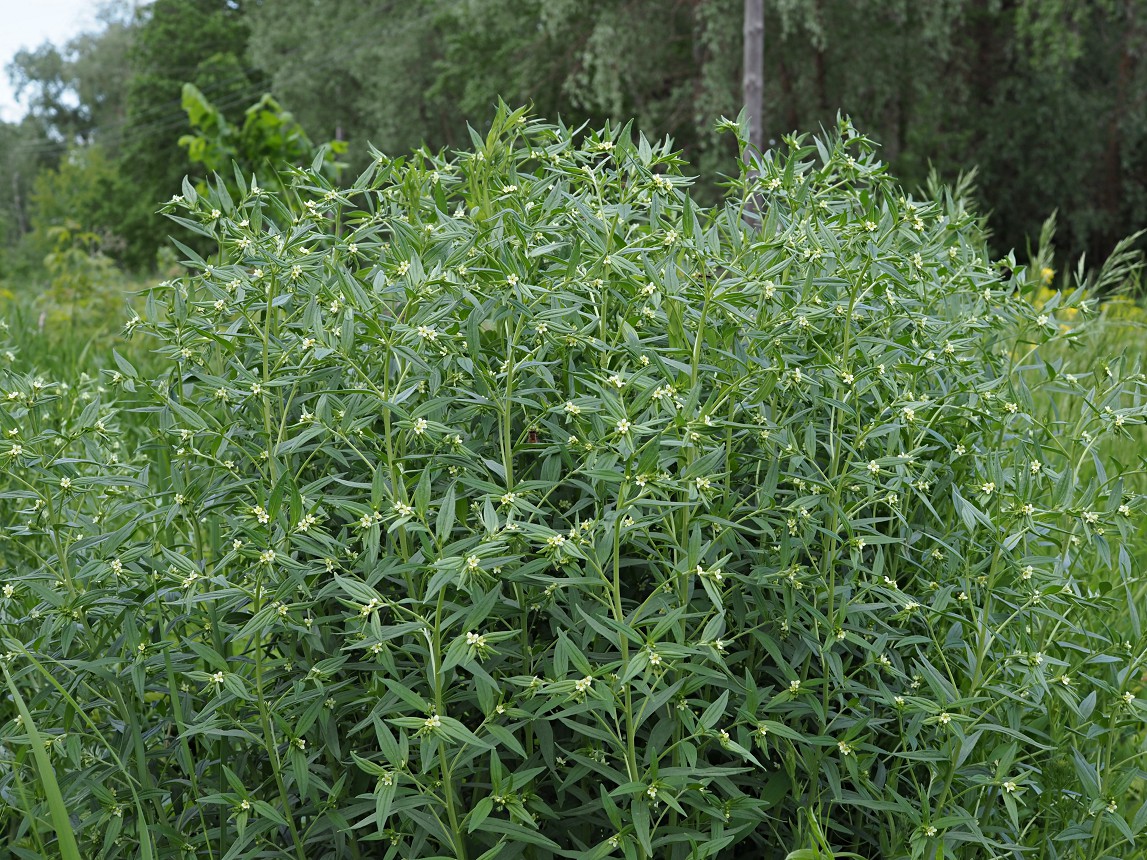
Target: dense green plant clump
(509, 504)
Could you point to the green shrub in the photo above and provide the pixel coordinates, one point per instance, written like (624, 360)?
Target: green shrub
(510, 504)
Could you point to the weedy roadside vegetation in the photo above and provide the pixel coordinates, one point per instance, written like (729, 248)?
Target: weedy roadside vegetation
(508, 504)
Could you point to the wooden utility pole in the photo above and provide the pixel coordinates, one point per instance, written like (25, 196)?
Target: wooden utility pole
(753, 84)
(754, 71)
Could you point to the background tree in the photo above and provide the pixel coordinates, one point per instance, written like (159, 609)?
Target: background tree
(1041, 95)
(203, 42)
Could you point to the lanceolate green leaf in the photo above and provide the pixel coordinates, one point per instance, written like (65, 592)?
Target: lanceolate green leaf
(513, 501)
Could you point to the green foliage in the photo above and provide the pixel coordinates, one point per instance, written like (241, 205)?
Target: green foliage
(376, 86)
(509, 503)
(268, 140)
(202, 42)
(78, 193)
(80, 277)
(667, 66)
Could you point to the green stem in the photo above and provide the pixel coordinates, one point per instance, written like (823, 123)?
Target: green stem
(445, 770)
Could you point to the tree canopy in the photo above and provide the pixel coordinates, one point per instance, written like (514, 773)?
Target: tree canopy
(1041, 97)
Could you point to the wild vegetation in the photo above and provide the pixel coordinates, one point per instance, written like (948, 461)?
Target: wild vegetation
(544, 488)
(511, 503)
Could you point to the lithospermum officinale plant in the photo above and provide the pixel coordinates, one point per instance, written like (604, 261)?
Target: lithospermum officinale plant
(510, 504)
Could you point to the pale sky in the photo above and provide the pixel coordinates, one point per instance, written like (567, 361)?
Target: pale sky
(27, 24)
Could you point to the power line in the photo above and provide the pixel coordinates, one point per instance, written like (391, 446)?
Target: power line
(132, 133)
(123, 130)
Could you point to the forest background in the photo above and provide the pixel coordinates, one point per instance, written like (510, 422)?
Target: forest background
(1046, 98)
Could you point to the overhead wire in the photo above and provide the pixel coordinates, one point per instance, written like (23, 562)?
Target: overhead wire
(131, 132)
